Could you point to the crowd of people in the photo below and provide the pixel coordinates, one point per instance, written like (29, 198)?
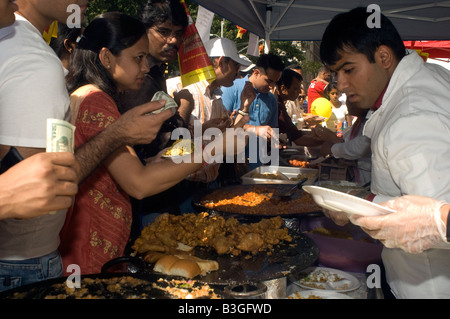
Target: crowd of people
(102, 77)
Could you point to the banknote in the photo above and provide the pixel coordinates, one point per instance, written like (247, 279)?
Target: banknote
(60, 136)
(170, 102)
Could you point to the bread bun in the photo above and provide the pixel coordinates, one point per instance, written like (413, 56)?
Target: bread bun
(181, 264)
(164, 264)
(205, 265)
(185, 268)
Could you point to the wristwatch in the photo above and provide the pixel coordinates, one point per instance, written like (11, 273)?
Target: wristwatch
(242, 112)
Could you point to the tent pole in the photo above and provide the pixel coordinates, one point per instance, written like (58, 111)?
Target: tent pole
(267, 35)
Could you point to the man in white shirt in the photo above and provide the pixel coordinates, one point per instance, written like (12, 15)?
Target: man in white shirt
(409, 129)
(32, 89)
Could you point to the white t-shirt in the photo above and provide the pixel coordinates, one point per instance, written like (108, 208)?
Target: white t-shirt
(340, 112)
(32, 89)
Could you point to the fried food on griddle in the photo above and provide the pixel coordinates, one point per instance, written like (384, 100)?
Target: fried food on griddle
(226, 236)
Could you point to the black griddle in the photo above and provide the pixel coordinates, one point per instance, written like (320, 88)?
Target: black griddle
(57, 286)
(198, 202)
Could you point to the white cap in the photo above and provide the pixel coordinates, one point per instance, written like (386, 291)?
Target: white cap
(245, 68)
(224, 47)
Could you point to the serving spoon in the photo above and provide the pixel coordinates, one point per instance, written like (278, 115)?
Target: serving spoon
(286, 195)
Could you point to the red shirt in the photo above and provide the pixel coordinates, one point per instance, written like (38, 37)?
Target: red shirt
(98, 225)
(315, 90)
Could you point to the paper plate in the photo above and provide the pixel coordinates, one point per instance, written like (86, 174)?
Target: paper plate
(328, 279)
(342, 202)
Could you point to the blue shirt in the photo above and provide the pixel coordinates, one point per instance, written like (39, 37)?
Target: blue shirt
(263, 110)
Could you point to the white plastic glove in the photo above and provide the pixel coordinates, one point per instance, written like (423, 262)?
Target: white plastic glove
(339, 218)
(415, 227)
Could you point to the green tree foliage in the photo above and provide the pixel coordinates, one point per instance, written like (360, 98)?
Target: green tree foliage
(97, 7)
(289, 51)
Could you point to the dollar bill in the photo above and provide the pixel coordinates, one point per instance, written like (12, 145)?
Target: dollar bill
(170, 102)
(60, 136)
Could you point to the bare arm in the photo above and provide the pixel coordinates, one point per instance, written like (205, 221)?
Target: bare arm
(140, 181)
(186, 104)
(248, 95)
(133, 127)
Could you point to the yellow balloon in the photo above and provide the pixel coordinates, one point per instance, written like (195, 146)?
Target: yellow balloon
(321, 107)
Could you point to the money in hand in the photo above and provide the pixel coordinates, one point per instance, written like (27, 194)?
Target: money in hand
(170, 102)
(60, 136)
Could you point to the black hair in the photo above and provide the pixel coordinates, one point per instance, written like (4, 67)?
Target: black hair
(159, 11)
(350, 30)
(113, 30)
(329, 88)
(64, 32)
(271, 61)
(295, 66)
(287, 77)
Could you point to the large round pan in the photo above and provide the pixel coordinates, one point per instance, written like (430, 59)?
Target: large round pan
(56, 288)
(286, 258)
(300, 204)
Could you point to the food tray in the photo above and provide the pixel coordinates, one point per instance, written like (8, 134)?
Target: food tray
(290, 172)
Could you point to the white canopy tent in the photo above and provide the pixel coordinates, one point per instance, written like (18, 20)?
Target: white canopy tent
(306, 20)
